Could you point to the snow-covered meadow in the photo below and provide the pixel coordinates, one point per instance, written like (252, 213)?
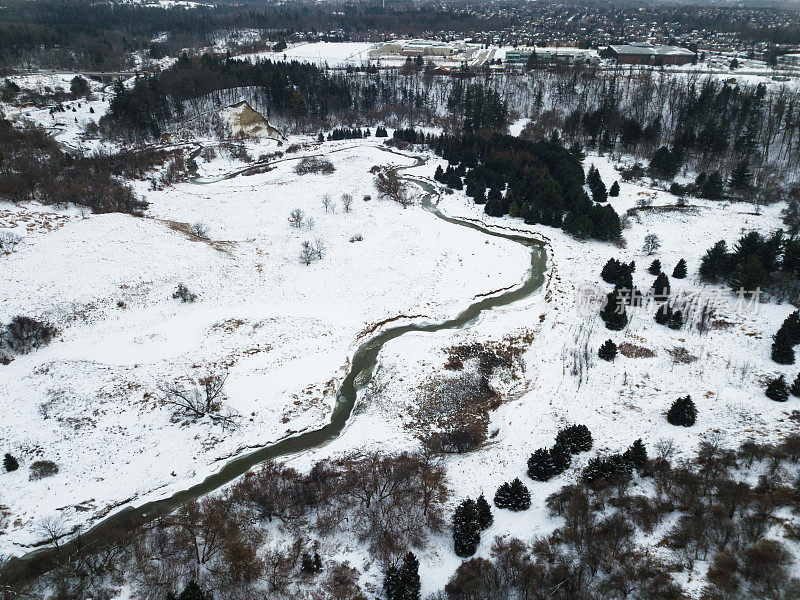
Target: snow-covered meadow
(724, 370)
(282, 331)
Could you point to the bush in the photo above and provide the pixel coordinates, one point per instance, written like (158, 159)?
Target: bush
(683, 412)
(43, 468)
(183, 294)
(25, 334)
(10, 463)
(777, 390)
(314, 164)
(513, 496)
(608, 351)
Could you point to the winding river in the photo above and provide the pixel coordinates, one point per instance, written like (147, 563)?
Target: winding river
(361, 370)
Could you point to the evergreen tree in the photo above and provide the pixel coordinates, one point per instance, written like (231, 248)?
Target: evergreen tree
(782, 348)
(661, 286)
(741, 177)
(402, 583)
(561, 458)
(791, 327)
(614, 191)
(716, 264)
(466, 529)
(777, 390)
(748, 275)
(636, 454)
(485, 518)
(794, 389)
(679, 272)
(10, 463)
(574, 439)
(540, 465)
(608, 351)
(712, 186)
(655, 267)
(193, 592)
(675, 320)
(613, 314)
(664, 314)
(682, 412)
(513, 496)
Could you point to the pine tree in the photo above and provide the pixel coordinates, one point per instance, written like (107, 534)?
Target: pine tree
(664, 314)
(791, 327)
(679, 272)
(655, 267)
(466, 529)
(716, 263)
(636, 454)
(777, 390)
(10, 463)
(782, 350)
(513, 496)
(741, 176)
(683, 412)
(561, 458)
(608, 351)
(403, 583)
(540, 465)
(675, 320)
(574, 439)
(794, 389)
(614, 191)
(485, 518)
(613, 314)
(661, 286)
(748, 275)
(193, 592)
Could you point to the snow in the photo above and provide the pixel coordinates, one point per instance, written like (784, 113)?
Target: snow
(619, 401)
(281, 330)
(332, 54)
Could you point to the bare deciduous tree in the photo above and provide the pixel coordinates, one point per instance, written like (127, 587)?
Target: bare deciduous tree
(347, 202)
(651, 244)
(296, 218)
(389, 185)
(201, 400)
(307, 253)
(328, 204)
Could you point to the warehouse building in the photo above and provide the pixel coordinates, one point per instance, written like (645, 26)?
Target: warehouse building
(646, 54)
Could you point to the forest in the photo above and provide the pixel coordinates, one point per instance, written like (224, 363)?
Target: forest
(539, 181)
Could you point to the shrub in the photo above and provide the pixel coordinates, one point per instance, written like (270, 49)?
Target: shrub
(683, 412)
(514, 496)
(314, 164)
(25, 334)
(608, 351)
(561, 458)
(10, 463)
(777, 390)
(183, 294)
(42, 468)
(574, 439)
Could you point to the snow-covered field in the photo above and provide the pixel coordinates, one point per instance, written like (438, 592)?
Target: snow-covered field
(282, 331)
(619, 401)
(331, 54)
